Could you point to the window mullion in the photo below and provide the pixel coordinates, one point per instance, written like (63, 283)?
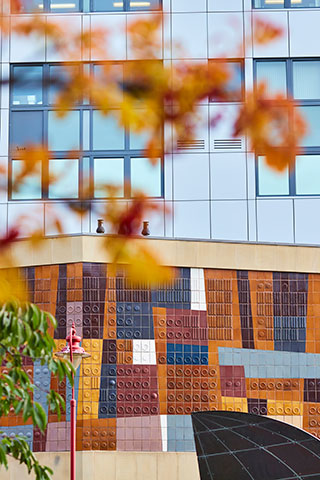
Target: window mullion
(127, 177)
(289, 78)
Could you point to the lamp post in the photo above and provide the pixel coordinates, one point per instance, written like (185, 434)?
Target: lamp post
(74, 353)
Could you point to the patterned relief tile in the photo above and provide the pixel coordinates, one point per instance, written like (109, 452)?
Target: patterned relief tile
(207, 340)
(96, 434)
(139, 434)
(233, 382)
(137, 390)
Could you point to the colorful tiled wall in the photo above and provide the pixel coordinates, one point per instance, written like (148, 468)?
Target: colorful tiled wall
(208, 340)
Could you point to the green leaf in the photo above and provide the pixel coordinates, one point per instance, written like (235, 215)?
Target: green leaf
(35, 316)
(39, 416)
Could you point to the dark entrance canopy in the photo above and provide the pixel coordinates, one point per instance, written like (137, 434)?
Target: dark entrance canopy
(243, 446)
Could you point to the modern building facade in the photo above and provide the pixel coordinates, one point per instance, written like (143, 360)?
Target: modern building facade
(215, 188)
(238, 328)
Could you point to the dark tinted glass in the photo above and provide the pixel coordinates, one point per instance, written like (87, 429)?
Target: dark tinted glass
(264, 467)
(288, 453)
(27, 85)
(60, 76)
(224, 467)
(26, 128)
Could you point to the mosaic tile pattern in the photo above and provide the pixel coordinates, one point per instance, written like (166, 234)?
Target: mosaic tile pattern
(208, 340)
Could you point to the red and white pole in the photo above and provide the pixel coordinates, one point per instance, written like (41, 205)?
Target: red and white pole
(73, 352)
(73, 416)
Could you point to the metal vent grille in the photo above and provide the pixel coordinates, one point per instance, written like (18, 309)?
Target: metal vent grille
(227, 144)
(190, 145)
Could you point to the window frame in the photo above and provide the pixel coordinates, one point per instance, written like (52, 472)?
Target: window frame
(126, 8)
(46, 9)
(90, 9)
(89, 154)
(303, 150)
(239, 61)
(286, 5)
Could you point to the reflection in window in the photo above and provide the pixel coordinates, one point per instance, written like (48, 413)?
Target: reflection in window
(144, 4)
(273, 74)
(311, 114)
(145, 177)
(308, 174)
(108, 5)
(304, 3)
(29, 6)
(306, 80)
(108, 171)
(26, 129)
(234, 87)
(27, 85)
(60, 6)
(112, 74)
(269, 3)
(108, 147)
(26, 6)
(106, 133)
(64, 133)
(270, 181)
(30, 186)
(64, 178)
(59, 78)
(138, 141)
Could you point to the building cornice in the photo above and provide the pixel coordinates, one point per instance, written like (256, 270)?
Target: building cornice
(182, 253)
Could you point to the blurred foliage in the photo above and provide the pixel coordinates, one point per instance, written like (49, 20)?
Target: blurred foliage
(24, 334)
(153, 97)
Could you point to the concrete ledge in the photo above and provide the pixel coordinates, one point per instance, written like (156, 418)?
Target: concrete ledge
(100, 465)
(183, 253)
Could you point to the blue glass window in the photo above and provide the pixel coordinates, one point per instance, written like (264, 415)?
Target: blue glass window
(235, 85)
(108, 171)
(110, 154)
(286, 3)
(64, 132)
(124, 5)
(146, 177)
(27, 85)
(26, 129)
(28, 187)
(308, 174)
(64, 178)
(300, 78)
(107, 134)
(271, 182)
(273, 75)
(306, 80)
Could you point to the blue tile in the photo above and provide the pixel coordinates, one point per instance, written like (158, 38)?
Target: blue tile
(189, 446)
(22, 430)
(278, 363)
(41, 378)
(108, 392)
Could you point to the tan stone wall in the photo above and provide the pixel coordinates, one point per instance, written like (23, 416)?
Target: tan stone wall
(183, 253)
(97, 465)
